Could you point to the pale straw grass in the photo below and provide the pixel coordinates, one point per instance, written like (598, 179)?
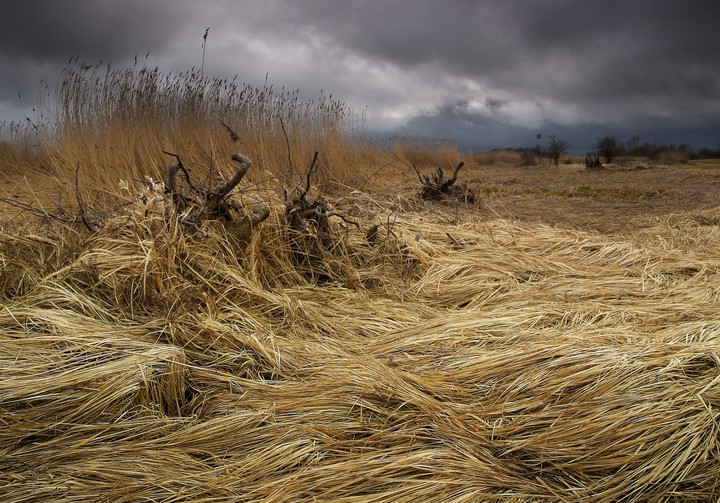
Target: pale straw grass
(454, 359)
(149, 361)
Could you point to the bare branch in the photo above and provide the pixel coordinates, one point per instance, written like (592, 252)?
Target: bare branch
(83, 218)
(345, 219)
(418, 174)
(455, 174)
(245, 163)
(214, 200)
(311, 171)
(181, 166)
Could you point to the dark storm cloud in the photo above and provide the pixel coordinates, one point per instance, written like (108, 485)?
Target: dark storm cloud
(38, 37)
(451, 34)
(484, 132)
(496, 69)
(591, 49)
(42, 31)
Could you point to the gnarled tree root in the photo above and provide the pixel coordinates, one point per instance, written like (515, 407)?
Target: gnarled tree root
(213, 204)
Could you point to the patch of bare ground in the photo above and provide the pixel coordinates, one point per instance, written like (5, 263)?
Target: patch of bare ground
(617, 199)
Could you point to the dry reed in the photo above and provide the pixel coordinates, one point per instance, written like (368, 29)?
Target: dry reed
(116, 123)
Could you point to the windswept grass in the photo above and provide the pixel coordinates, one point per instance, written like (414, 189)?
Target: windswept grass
(442, 359)
(16, 149)
(502, 362)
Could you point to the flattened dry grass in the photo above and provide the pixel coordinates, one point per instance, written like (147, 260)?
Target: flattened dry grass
(483, 361)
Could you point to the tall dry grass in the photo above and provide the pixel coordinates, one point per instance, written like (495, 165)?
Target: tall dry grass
(426, 153)
(16, 149)
(116, 123)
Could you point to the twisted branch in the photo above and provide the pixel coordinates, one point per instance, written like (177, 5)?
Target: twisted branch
(83, 218)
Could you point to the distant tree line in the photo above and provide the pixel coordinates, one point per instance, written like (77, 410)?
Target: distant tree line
(555, 149)
(609, 148)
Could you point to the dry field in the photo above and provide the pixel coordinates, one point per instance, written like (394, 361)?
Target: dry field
(467, 357)
(556, 339)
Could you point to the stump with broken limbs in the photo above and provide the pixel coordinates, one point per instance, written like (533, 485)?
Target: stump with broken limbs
(308, 222)
(437, 186)
(202, 204)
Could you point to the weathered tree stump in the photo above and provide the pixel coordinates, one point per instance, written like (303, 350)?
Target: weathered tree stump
(437, 186)
(215, 205)
(308, 222)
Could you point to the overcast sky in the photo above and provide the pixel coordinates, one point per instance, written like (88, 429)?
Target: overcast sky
(487, 73)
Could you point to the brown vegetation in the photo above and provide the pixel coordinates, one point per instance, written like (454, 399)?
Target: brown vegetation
(559, 341)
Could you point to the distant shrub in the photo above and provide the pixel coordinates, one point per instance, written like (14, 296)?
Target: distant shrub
(674, 157)
(528, 156)
(555, 149)
(708, 153)
(609, 148)
(498, 157)
(592, 160)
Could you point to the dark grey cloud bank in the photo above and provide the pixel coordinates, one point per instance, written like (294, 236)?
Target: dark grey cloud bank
(486, 73)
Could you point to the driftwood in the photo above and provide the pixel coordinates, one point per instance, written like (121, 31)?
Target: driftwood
(437, 186)
(214, 204)
(309, 225)
(301, 212)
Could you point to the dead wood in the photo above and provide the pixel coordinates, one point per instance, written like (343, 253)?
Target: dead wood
(215, 204)
(300, 211)
(308, 221)
(241, 229)
(214, 201)
(437, 186)
(82, 215)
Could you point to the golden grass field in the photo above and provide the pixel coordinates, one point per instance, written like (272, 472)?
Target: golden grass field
(557, 339)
